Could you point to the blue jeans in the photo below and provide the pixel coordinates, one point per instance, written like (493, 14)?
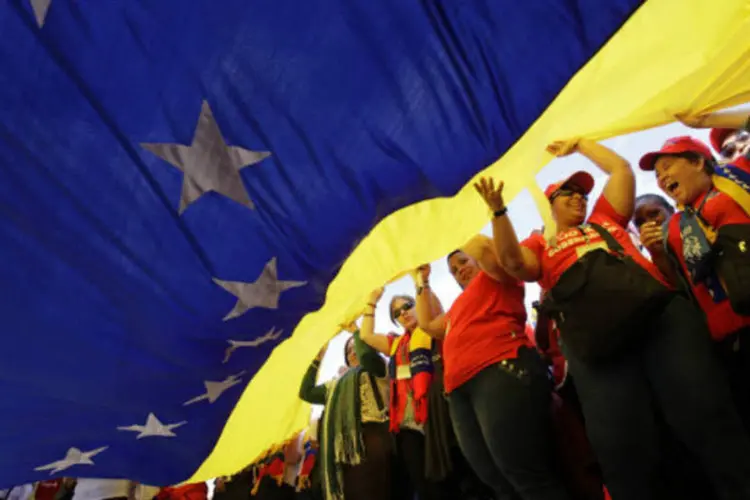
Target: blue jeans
(674, 368)
(502, 420)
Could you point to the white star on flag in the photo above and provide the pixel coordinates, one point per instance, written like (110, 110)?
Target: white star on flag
(40, 8)
(263, 292)
(270, 335)
(209, 163)
(214, 390)
(153, 427)
(73, 457)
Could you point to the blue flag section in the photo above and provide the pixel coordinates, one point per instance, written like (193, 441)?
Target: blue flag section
(182, 180)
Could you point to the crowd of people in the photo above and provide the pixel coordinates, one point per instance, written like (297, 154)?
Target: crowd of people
(632, 385)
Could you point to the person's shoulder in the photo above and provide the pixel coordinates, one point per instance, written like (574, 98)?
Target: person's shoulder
(535, 241)
(604, 212)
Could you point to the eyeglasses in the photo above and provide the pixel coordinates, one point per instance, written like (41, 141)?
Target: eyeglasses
(568, 192)
(398, 311)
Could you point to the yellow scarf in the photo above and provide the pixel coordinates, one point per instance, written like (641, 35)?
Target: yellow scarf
(420, 377)
(419, 340)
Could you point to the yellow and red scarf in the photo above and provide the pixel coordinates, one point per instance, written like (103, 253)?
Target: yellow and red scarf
(413, 352)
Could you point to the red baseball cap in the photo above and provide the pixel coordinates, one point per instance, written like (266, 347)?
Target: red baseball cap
(718, 136)
(581, 179)
(675, 146)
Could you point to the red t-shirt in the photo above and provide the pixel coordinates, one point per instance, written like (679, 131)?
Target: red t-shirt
(572, 244)
(47, 490)
(718, 210)
(486, 324)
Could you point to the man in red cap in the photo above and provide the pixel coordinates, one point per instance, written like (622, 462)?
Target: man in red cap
(685, 171)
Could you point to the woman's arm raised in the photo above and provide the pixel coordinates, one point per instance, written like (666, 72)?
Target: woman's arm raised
(516, 260)
(430, 319)
(367, 330)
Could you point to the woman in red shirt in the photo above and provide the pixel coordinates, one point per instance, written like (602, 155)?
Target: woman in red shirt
(498, 387)
(684, 168)
(625, 363)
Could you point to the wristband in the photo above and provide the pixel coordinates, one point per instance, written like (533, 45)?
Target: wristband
(500, 213)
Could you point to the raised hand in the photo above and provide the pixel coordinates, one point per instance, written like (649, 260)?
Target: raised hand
(693, 121)
(652, 237)
(351, 327)
(425, 270)
(375, 295)
(420, 274)
(562, 148)
(491, 194)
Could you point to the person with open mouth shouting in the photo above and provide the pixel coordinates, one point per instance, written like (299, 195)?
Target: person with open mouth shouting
(631, 341)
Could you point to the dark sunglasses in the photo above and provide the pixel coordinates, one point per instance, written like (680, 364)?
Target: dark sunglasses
(397, 312)
(568, 192)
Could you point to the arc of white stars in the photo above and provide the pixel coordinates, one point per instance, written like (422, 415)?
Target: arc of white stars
(263, 292)
(153, 427)
(40, 8)
(270, 335)
(209, 163)
(214, 390)
(74, 456)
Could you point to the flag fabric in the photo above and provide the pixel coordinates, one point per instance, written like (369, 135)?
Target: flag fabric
(187, 184)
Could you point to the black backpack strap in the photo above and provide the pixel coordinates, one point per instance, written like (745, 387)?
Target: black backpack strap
(376, 393)
(611, 242)
(541, 330)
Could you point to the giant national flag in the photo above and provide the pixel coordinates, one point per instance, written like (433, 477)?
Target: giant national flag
(193, 194)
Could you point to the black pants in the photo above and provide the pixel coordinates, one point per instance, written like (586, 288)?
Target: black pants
(269, 489)
(734, 355)
(582, 475)
(674, 368)
(502, 419)
(371, 479)
(409, 469)
(463, 481)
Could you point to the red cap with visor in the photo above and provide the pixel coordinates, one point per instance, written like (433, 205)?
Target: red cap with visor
(675, 146)
(582, 179)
